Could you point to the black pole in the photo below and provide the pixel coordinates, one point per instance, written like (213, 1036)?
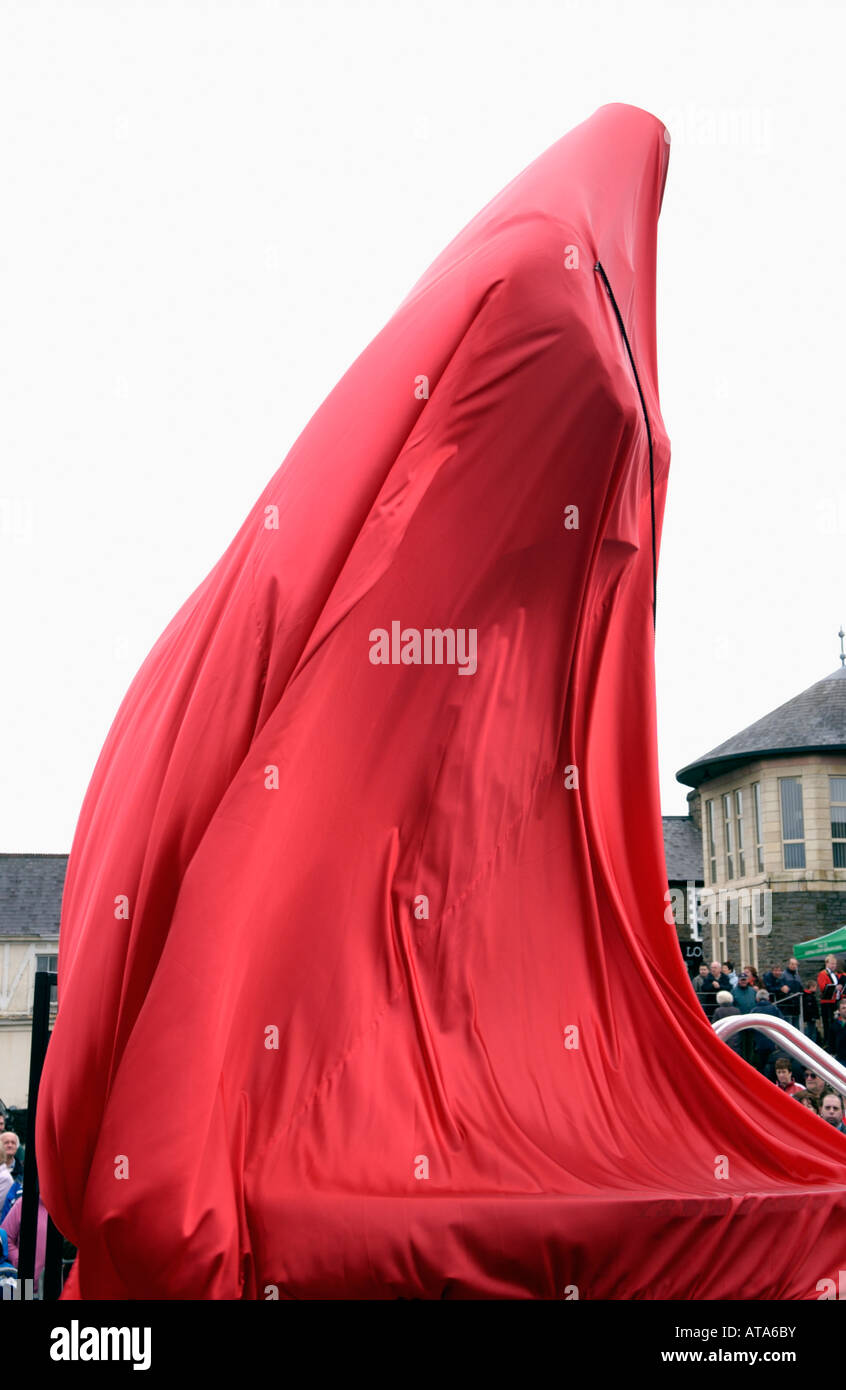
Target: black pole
(44, 982)
(53, 1262)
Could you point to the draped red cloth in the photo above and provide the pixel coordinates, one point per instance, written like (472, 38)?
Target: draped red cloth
(366, 987)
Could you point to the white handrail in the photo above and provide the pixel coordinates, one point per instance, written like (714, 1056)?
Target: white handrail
(803, 1049)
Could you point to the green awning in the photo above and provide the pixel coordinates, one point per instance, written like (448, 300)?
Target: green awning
(821, 945)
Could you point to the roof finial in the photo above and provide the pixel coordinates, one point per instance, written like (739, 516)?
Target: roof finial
(841, 634)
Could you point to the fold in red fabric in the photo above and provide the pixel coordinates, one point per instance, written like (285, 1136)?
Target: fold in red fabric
(366, 988)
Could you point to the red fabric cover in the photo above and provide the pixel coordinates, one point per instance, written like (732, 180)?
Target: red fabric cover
(400, 1036)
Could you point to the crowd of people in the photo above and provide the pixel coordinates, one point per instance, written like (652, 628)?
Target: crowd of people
(11, 1207)
(816, 1006)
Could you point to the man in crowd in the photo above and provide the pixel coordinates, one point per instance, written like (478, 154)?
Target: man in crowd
(764, 1046)
(792, 978)
(838, 1033)
(810, 1011)
(744, 993)
(11, 1143)
(700, 978)
(715, 980)
(831, 982)
(815, 1085)
(774, 982)
(831, 1109)
(8, 1145)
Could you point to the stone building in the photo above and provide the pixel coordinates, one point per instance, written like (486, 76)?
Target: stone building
(770, 804)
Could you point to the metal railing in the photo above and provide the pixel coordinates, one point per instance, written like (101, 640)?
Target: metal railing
(813, 1057)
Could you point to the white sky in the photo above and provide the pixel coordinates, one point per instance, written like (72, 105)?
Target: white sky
(210, 210)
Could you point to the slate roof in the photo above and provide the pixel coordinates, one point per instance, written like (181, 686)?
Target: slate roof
(31, 894)
(682, 850)
(812, 722)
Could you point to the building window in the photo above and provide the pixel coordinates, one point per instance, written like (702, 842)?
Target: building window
(759, 839)
(729, 834)
(748, 935)
(47, 965)
(792, 822)
(719, 937)
(837, 795)
(738, 822)
(712, 841)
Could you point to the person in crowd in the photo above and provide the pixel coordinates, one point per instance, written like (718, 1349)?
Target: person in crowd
(838, 1032)
(18, 1164)
(7, 1160)
(744, 993)
(728, 969)
(784, 1076)
(764, 1046)
(12, 1144)
(805, 1098)
(12, 1227)
(714, 982)
(700, 977)
(795, 989)
(830, 982)
(774, 982)
(810, 1011)
(12, 1195)
(17, 1171)
(785, 990)
(745, 997)
(815, 1085)
(831, 1109)
(754, 977)
(726, 1008)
